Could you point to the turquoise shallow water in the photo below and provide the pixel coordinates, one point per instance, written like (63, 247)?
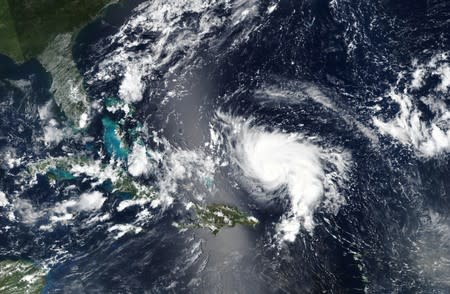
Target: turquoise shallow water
(388, 237)
(61, 174)
(111, 140)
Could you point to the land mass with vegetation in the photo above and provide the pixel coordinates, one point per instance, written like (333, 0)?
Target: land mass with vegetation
(20, 276)
(27, 26)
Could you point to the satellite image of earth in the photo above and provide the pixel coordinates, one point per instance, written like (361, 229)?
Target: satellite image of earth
(224, 146)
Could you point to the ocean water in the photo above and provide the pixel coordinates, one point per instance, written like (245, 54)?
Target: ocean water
(325, 120)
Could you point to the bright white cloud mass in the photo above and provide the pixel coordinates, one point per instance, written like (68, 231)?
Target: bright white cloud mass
(276, 160)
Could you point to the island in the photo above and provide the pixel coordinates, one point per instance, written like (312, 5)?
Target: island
(214, 217)
(21, 276)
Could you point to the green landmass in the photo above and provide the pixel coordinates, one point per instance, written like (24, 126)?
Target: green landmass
(126, 184)
(10, 44)
(56, 163)
(69, 168)
(18, 277)
(217, 216)
(27, 26)
(67, 84)
(45, 29)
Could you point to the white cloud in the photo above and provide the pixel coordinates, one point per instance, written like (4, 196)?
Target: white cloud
(179, 165)
(123, 229)
(128, 203)
(10, 159)
(276, 160)
(132, 86)
(26, 210)
(428, 139)
(139, 163)
(84, 119)
(409, 126)
(295, 92)
(90, 201)
(418, 76)
(3, 199)
(165, 21)
(64, 211)
(444, 74)
(53, 134)
(45, 111)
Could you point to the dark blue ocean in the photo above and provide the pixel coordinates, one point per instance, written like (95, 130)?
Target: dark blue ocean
(392, 234)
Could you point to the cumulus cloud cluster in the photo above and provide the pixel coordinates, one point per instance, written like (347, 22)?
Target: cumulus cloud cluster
(165, 21)
(61, 212)
(139, 163)
(428, 137)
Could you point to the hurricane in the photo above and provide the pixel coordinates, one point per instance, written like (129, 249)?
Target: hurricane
(224, 146)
